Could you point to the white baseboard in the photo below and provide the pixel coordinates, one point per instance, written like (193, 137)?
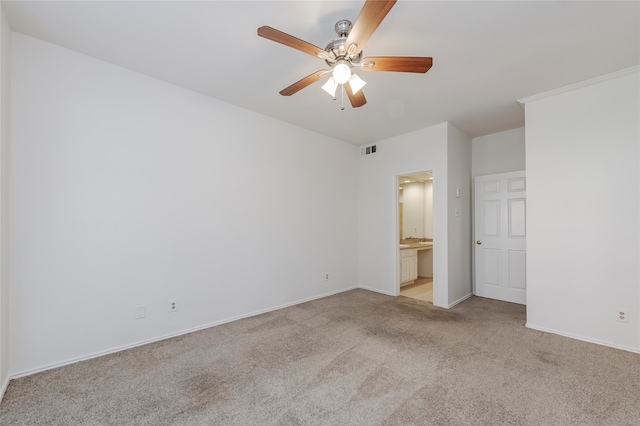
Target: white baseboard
(375, 290)
(449, 306)
(583, 338)
(5, 384)
(24, 373)
(462, 299)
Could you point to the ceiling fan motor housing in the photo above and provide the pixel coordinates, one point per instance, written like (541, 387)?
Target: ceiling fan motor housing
(336, 49)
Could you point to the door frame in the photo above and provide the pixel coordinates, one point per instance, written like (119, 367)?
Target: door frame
(437, 285)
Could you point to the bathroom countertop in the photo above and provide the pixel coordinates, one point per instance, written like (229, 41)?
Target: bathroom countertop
(419, 246)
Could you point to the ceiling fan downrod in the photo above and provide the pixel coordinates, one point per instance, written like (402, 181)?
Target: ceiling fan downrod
(343, 27)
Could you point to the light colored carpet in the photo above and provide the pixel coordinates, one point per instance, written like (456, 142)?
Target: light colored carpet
(356, 358)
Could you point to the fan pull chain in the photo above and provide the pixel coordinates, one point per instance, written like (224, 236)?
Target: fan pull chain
(342, 106)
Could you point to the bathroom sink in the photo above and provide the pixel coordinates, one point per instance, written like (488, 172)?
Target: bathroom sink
(404, 245)
(426, 243)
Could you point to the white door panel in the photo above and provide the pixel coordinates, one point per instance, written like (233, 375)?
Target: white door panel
(500, 234)
(517, 269)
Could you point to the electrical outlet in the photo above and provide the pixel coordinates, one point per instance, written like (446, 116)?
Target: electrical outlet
(173, 305)
(326, 276)
(622, 314)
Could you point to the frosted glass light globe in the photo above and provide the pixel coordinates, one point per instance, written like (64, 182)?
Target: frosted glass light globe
(330, 87)
(341, 73)
(356, 83)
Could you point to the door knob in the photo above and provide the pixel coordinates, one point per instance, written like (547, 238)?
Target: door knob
(479, 242)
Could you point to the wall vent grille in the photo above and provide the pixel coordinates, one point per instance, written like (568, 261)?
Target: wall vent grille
(367, 150)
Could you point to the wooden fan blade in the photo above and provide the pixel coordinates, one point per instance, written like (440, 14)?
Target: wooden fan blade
(372, 14)
(358, 99)
(397, 63)
(289, 40)
(301, 84)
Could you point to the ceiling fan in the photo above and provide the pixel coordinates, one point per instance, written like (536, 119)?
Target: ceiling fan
(345, 53)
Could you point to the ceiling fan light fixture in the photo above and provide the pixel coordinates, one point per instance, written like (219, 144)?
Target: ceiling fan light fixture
(341, 73)
(356, 83)
(330, 87)
(344, 53)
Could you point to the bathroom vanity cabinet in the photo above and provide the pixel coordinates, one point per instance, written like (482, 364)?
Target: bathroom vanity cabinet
(415, 260)
(408, 266)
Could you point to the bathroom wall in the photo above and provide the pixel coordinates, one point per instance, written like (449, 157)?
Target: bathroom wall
(417, 201)
(413, 209)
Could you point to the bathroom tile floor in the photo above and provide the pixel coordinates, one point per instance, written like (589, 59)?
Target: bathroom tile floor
(421, 289)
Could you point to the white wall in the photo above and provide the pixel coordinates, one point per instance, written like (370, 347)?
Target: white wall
(418, 151)
(413, 209)
(426, 149)
(417, 200)
(498, 153)
(5, 68)
(583, 211)
(460, 215)
(428, 209)
(128, 191)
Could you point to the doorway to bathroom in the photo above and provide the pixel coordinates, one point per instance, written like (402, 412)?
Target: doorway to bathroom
(415, 236)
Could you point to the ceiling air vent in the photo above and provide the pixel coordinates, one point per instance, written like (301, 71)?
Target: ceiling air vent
(367, 150)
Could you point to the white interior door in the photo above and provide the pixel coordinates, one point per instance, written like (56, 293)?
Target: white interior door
(500, 237)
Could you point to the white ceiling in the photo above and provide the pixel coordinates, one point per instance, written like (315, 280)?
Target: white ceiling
(416, 177)
(486, 55)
